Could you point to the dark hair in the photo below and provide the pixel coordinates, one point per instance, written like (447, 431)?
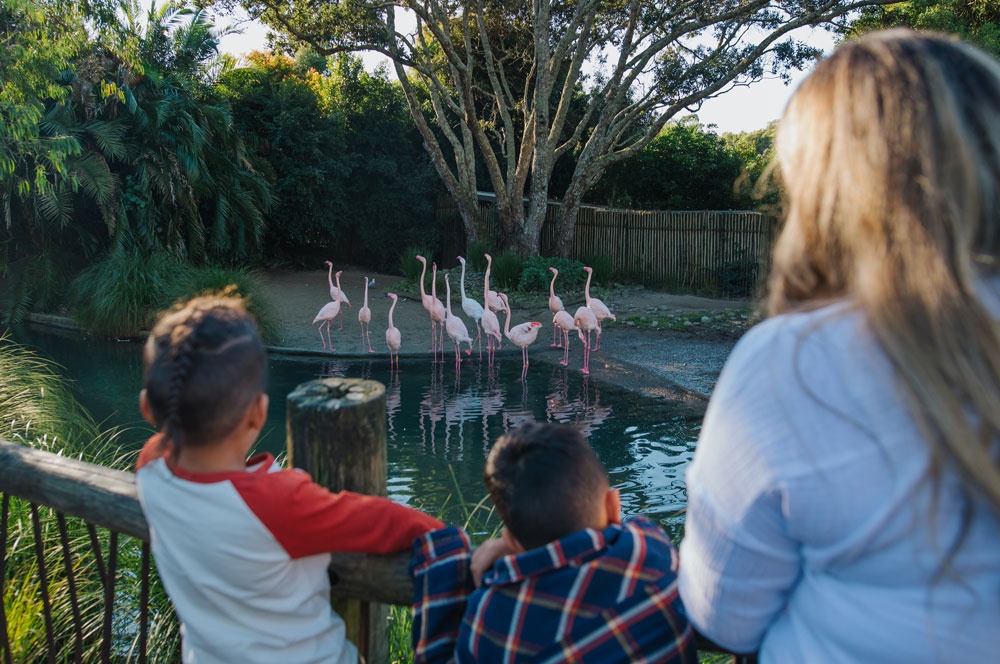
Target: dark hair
(545, 481)
(204, 364)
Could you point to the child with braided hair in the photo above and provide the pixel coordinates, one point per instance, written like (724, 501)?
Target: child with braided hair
(241, 545)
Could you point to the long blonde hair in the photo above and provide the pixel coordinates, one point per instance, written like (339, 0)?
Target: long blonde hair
(890, 155)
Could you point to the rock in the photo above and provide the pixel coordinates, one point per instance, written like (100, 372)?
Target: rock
(706, 319)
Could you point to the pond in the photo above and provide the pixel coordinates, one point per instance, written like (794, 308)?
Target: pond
(440, 424)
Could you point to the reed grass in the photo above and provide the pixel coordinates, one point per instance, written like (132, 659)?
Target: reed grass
(37, 409)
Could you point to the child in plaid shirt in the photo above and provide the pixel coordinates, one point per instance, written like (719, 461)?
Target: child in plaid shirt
(567, 580)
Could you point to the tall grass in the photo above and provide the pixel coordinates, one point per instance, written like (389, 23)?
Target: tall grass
(121, 295)
(410, 266)
(247, 285)
(507, 268)
(38, 410)
(480, 521)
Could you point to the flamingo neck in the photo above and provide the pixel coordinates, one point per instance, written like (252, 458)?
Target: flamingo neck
(486, 284)
(462, 282)
(447, 294)
(586, 290)
(423, 273)
(366, 291)
(390, 312)
(506, 327)
(329, 275)
(552, 286)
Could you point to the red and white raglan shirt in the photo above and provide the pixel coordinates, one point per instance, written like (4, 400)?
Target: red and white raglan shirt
(243, 556)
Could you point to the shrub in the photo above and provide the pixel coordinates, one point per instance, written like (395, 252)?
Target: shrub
(536, 275)
(507, 270)
(601, 264)
(247, 285)
(410, 266)
(476, 257)
(121, 295)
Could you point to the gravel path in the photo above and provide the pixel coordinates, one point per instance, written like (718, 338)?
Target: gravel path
(664, 363)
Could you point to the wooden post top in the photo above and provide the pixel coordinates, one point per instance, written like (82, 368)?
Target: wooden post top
(336, 393)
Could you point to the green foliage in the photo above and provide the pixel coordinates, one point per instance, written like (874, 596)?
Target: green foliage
(38, 410)
(120, 295)
(536, 275)
(975, 21)
(409, 265)
(603, 271)
(506, 273)
(686, 167)
(39, 282)
(248, 285)
(476, 257)
(758, 185)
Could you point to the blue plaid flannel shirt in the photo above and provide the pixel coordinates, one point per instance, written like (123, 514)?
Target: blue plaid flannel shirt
(594, 596)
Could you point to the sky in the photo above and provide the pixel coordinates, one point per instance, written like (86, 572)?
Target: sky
(738, 110)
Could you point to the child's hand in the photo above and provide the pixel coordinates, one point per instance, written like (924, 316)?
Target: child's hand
(485, 555)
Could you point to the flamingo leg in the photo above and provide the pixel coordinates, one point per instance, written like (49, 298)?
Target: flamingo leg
(524, 363)
(329, 324)
(586, 355)
(565, 361)
(321, 339)
(555, 334)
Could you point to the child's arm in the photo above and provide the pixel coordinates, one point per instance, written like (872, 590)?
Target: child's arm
(485, 555)
(442, 584)
(307, 519)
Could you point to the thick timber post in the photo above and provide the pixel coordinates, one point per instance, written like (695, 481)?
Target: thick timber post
(336, 432)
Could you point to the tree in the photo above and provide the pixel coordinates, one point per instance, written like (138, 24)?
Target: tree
(976, 21)
(639, 62)
(686, 167)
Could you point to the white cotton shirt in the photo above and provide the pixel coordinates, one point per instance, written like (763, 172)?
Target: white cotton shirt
(243, 556)
(812, 532)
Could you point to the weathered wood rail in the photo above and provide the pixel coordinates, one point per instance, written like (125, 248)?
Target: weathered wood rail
(333, 414)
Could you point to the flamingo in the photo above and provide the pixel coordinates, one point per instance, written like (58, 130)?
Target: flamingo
(438, 313)
(326, 316)
(365, 317)
(428, 302)
(393, 338)
(329, 311)
(336, 294)
(455, 327)
(600, 310)
(493, 301)
(472, 309)
(586, 320)
(555, 306)
(562, 321)
(489, 321)
(522, 335)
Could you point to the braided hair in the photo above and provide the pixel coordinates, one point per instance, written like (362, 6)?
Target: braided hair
(204, 364)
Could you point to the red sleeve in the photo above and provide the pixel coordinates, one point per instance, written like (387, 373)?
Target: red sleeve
(307, 519)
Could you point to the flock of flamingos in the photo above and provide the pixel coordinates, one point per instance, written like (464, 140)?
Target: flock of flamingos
(484, 315)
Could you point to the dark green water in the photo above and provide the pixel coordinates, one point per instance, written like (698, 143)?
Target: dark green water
(440, 425)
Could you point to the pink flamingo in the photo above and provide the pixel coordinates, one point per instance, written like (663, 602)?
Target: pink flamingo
(600, 310)
(493, 301)
(393, 339)
(563, 322)
(336, 294)
(472, 309)
(586, 320)
(489, 321)
(522, 335)
(555, 306)
(455, 327)
(438, 313)
(325, 316)
(365, 317)
(428, 302)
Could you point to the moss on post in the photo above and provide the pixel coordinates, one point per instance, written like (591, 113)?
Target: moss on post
(335, 430)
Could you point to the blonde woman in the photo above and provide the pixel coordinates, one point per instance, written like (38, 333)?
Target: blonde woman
(845, 492)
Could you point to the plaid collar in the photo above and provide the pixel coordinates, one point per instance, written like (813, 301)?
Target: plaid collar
(573, 550)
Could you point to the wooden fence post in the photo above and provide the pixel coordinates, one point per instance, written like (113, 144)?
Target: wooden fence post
(335, 430)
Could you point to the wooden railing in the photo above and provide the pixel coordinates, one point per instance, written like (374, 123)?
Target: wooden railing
(331, 414)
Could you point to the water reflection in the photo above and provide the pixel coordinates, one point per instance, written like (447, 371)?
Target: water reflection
(440, 422)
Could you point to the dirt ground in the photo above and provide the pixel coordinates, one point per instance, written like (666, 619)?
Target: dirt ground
(661, 362)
